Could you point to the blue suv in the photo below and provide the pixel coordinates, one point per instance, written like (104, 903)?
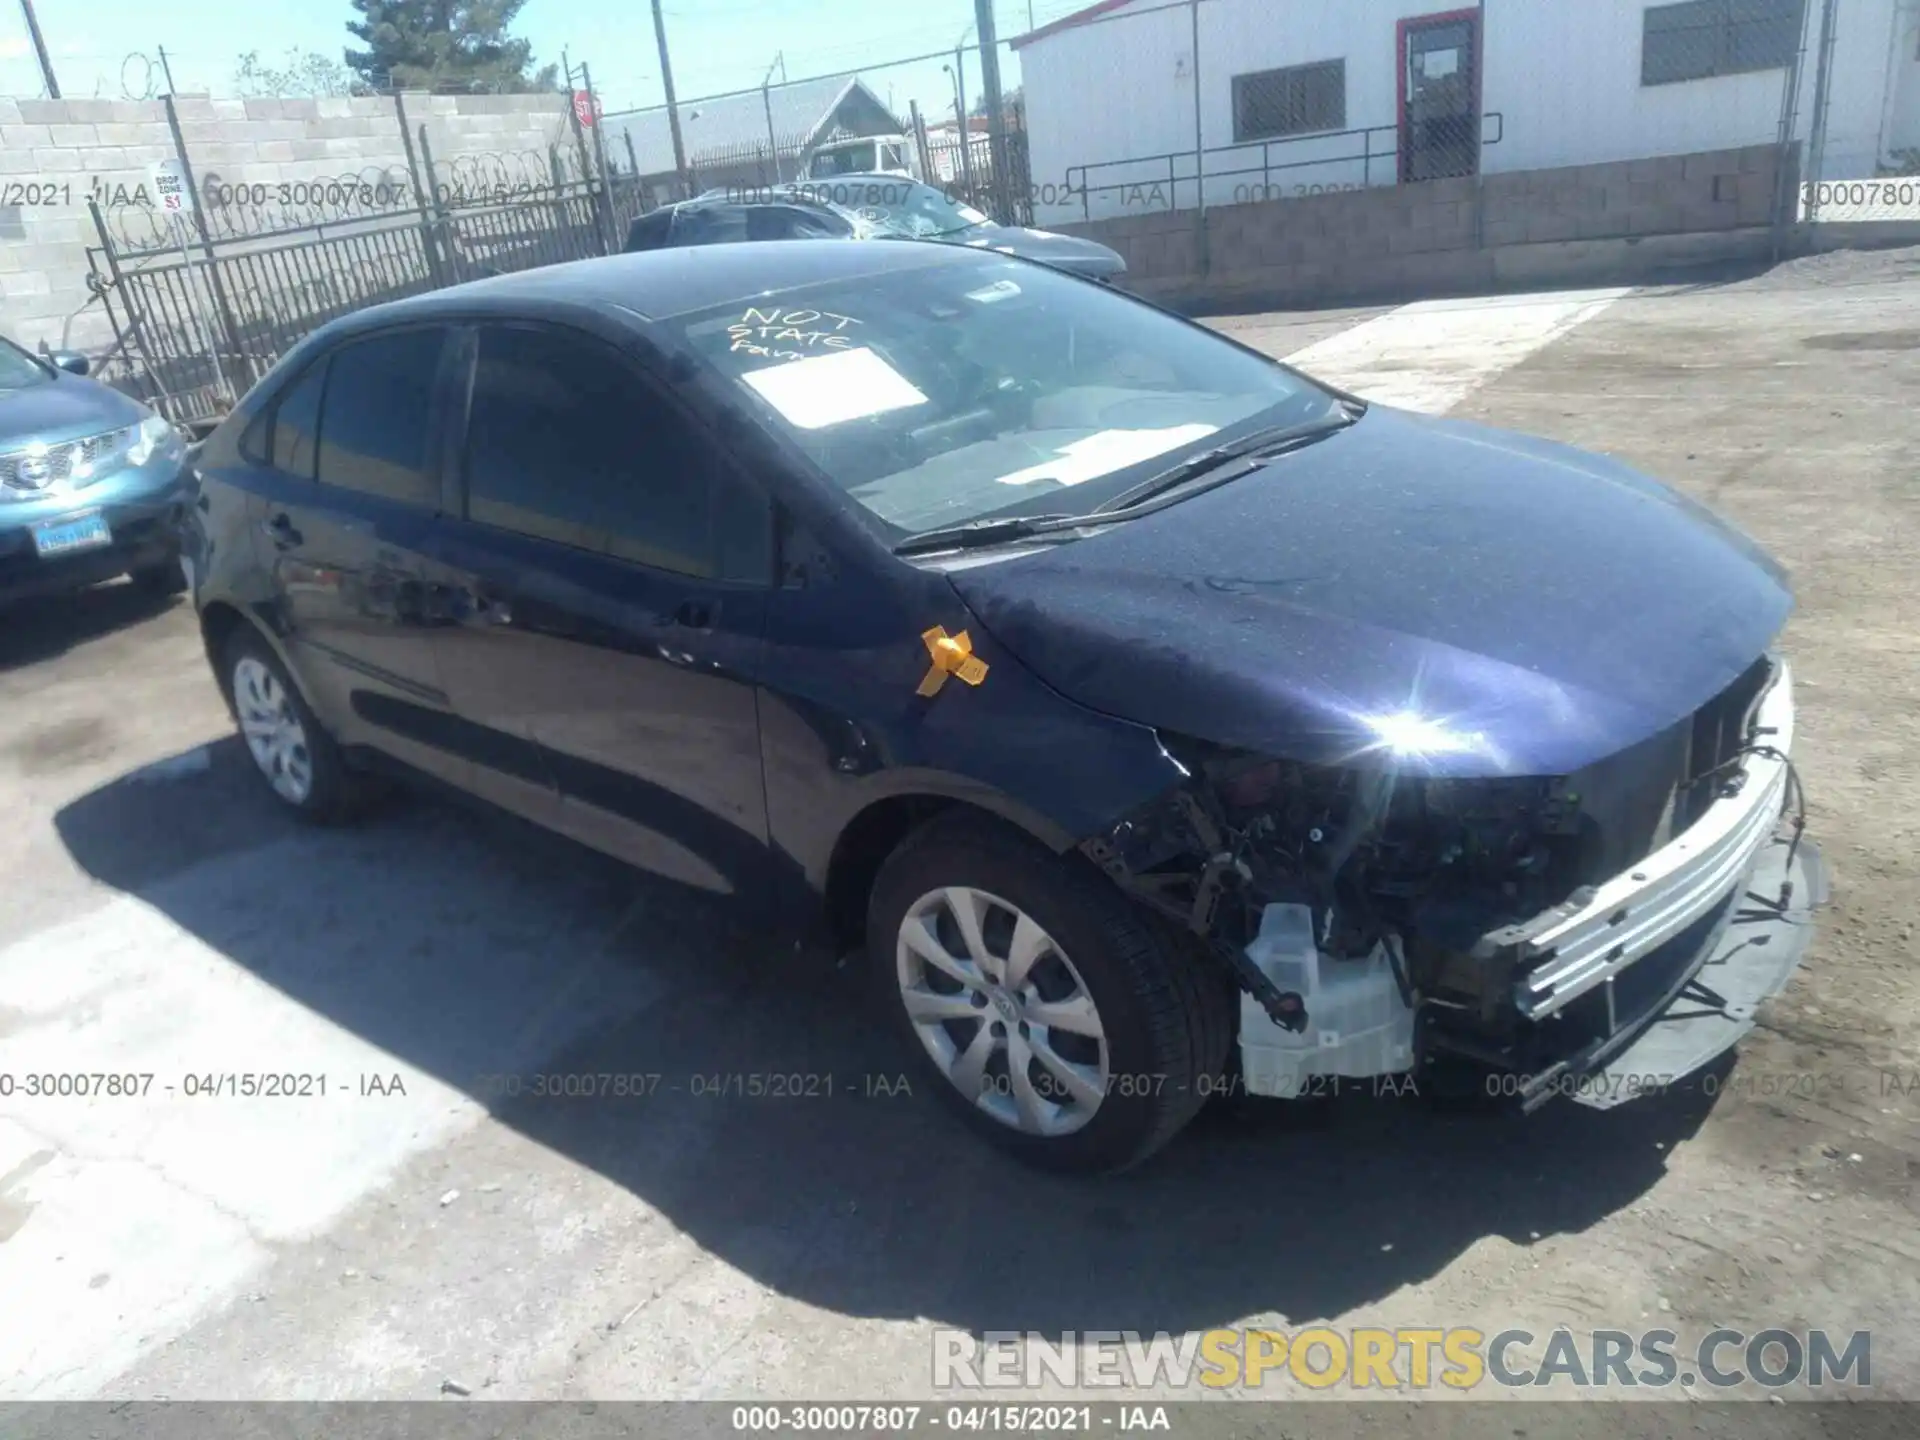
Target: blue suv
(92, 483)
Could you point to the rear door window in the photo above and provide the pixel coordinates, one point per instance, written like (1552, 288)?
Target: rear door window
(378, 424)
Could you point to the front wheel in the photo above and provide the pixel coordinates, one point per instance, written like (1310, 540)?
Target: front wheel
(1068, 1025)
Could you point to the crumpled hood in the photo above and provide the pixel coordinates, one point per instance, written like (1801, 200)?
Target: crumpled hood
(1068, 252)
(1538, 608)
(63, 409)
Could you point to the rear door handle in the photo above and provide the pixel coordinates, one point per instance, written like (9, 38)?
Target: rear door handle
(280, 529)
(693, 615)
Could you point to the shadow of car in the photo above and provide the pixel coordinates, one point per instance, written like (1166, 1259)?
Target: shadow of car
(854, 1199)
(47, 625)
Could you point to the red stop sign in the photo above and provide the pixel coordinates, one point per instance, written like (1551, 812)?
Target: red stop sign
(585, 106)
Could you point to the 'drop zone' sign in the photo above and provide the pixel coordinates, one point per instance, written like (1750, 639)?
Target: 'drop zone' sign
(170, 188)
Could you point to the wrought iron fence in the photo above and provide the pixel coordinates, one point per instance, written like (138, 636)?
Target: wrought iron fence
(201, 309)
(962, 165)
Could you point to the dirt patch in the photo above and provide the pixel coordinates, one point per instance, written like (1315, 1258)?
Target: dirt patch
(1865, 340)
(60, 746)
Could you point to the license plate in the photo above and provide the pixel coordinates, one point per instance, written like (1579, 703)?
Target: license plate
(61, 537)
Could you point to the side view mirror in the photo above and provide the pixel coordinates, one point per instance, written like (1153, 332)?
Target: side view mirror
(71, 361)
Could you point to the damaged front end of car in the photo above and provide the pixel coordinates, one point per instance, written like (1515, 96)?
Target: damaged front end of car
(1596, 933)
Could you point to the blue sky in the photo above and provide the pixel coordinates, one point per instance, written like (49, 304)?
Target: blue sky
(107, 47)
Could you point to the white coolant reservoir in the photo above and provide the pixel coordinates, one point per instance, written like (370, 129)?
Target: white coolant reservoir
(1357, 1024)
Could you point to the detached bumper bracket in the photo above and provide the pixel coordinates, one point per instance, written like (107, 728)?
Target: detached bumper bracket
(1750, 957)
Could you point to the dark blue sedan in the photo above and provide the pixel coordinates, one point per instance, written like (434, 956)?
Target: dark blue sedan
(1160, 722)
(92, 482)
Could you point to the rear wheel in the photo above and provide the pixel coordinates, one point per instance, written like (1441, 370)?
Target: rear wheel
(1066, 1024)
(294, 755)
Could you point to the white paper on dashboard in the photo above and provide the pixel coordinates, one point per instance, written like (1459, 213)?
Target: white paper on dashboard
(825, 390)
(1107, 452)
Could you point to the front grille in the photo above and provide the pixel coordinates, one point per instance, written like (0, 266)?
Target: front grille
(33, 470)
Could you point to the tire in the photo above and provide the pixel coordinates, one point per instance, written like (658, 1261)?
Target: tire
(1165, 1014)
(299, 763)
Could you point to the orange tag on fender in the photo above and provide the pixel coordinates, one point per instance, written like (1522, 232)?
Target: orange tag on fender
(951, 655)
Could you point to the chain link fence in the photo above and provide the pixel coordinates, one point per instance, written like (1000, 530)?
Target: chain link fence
(873, 117)
(1176, 107)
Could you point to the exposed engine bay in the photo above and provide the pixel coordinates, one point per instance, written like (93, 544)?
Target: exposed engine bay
(1441, 883)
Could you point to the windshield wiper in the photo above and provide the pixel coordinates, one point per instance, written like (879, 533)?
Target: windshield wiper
(1259, 446)
(978, 533)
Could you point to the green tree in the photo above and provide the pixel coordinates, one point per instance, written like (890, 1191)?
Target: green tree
(448, 46)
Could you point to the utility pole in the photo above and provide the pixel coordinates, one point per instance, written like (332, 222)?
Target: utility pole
(1817, 130)
(40, 49)
(766, 104)
(673, 110)
(996, 109)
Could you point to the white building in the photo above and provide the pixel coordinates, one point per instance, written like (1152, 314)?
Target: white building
(1297, 94)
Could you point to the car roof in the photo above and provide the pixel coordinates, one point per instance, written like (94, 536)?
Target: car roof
(785, 192)
(659, 284)
(878, 177)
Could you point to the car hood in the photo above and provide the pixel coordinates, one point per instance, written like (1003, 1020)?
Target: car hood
(1536, 608)
(63, 409)
(1068, 252)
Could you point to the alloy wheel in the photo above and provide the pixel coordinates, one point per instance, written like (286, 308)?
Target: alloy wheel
(1002, 1011)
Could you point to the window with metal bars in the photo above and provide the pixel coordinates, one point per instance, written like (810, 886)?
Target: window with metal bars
(1704, 38)
(1297, 100)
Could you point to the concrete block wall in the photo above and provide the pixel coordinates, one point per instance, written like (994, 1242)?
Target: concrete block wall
(55, 154)
(1442, 234)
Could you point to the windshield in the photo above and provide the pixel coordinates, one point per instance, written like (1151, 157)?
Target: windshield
(842, 160)
(18, 369)
(890, 205)
(950, 393)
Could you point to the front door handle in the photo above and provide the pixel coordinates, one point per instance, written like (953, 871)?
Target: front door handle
(280, 529)
(694, 615)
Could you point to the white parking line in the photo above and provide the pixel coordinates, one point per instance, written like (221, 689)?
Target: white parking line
(379, 983)
(1430, 356)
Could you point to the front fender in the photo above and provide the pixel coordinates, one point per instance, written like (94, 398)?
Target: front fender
(844, 729)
